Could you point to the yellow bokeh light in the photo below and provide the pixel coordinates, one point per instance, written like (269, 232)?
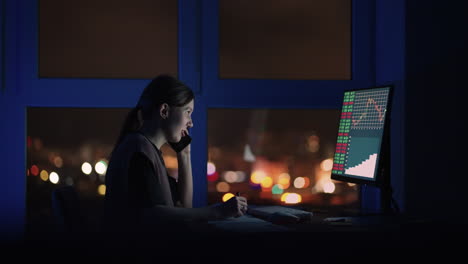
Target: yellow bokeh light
(222, 187)
(101, 189)
(327, 165)
(44, 175)
(267, 182)
(257, 176)
(283, 197)
(293, 198)
(284, 180)
(227, 196)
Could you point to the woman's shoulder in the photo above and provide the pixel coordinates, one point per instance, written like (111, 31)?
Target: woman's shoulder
(132, 142)
(131, 145)
(136, 142)
(134, 139)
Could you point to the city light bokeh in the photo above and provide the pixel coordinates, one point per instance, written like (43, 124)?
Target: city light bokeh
(68, 156)
(286, 156)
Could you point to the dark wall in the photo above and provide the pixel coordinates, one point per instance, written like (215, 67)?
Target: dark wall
(435, 77)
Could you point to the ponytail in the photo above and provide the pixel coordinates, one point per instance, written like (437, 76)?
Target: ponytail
(132, 123)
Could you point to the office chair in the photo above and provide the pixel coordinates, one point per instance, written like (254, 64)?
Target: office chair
(67, 211)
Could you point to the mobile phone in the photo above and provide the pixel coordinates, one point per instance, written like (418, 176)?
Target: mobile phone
(179, 146)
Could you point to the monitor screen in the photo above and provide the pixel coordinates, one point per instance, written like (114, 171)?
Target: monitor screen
(360, 140)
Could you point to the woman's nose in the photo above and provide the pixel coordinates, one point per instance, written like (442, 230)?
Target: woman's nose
(190, 124)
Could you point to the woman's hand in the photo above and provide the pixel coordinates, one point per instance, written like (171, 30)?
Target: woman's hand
(186, 150)
(234, 207)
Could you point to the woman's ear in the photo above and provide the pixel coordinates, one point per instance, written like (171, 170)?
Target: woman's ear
(164, 111)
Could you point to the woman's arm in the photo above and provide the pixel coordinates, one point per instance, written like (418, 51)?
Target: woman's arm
(234, 207)
(185, 178)
(145, 194)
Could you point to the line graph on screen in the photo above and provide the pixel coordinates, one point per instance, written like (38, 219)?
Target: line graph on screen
(369, 110)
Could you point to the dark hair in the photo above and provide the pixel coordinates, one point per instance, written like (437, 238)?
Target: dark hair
(162, 89)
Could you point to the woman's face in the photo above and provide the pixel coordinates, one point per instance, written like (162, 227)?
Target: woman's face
(179, 119)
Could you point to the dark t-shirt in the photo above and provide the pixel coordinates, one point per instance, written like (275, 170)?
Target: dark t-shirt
(143, 187)
(137, 179)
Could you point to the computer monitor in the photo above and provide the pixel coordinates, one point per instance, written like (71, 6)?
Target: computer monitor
(362, 146)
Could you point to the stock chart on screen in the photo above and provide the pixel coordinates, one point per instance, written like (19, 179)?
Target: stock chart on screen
(360, 132)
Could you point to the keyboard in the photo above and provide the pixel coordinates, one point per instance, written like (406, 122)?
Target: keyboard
(278, 214)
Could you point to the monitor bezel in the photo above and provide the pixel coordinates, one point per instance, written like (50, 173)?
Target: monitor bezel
(379, 178)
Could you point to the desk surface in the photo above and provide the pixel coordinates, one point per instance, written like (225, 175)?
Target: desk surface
(248, 223)
(238, 238)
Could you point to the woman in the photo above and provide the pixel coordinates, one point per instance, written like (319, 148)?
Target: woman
(140, 195)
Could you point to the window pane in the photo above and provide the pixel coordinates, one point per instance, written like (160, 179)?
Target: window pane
(59, 142)
(107, 38)
(277, 39)
(267, 153)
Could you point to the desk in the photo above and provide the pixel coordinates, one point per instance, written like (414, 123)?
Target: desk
(389, 236)
(247, 240)
(249, 224)
(246, 224)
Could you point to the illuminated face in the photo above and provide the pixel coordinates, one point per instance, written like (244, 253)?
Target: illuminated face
(179, 120)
